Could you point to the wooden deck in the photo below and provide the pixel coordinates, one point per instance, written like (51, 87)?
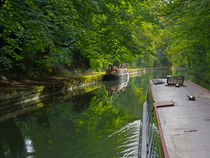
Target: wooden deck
(185, 125)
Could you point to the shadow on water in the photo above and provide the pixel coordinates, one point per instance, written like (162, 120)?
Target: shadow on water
(95, 123)
(14, 109)
(11, 140)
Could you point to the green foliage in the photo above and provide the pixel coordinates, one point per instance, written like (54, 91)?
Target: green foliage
(37, 34)
(186, 35)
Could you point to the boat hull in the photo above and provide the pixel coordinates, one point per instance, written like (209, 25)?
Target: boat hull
(112, 77)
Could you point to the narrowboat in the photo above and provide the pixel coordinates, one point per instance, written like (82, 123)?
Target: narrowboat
(116, 73)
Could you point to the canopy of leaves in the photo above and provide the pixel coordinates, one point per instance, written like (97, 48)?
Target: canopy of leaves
(36, 34)
(186, 34)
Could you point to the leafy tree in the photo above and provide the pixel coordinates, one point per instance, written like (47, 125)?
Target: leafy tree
(37, 34)
(185, 35)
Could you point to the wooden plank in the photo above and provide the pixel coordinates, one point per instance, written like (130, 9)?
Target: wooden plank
(166, 103)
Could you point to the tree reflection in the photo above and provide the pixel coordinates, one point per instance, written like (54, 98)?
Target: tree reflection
(64, 128)
(102, 113)
(11, 140)
(117, 109)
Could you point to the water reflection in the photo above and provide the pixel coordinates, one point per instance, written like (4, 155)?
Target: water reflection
(29, 145)
(93, 124)
(116, 86)
(130, 136)
(11, 140)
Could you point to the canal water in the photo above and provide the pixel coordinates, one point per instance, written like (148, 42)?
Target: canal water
(102, 122)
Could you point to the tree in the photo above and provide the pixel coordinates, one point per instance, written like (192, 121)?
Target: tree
(185, 33)
(37, 34)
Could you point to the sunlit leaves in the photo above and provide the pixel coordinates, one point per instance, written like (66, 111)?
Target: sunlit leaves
(187, 35)
(42, 33)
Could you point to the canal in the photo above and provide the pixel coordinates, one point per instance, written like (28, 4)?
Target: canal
(102, 122)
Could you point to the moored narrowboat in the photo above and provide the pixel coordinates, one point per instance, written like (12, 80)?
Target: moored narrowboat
(116, 73)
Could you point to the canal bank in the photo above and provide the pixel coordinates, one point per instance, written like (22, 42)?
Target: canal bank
(18, 98)
(183, 123)
(16, 94)
(33, 98)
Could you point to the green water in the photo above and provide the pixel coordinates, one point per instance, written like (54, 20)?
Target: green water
(98, 124)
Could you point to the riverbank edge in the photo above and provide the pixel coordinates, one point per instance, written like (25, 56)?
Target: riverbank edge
(12, 97)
